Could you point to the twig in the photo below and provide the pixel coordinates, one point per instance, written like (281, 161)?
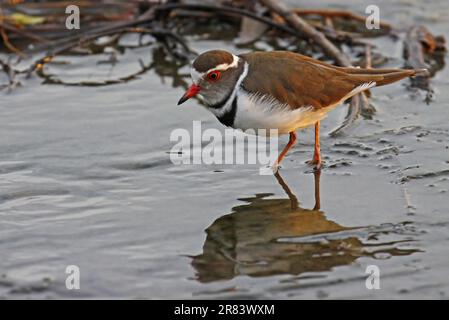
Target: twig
(23, 33)
(368, 57)
(359, 104)
(303, 27)
(367, 109)
(330, 13)
(339, 36)
(351, 116)
(165, 33)
(419, 42)
(5, 38)
(11, 74)
(8, 44)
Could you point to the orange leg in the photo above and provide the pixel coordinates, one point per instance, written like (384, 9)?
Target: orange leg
(290, 144)
(316, 161)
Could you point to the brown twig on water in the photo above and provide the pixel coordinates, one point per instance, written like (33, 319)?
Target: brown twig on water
(11, 74)
(8, 44)
(367, 109)
(351, 116)
(310, 32)
(338, 36)
(5, 37)
(368, 57)
(334, 13)
(359, 104)
(418, 45)
(24, 33)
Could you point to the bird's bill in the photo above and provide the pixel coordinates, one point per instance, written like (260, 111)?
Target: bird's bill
(191, 92)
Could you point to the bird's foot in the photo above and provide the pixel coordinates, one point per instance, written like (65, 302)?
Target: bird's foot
(270, 169)
(316, 163)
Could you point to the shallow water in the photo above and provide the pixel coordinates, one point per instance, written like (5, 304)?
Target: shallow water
(86, 179)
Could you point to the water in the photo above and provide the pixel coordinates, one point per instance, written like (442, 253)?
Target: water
(86, 179)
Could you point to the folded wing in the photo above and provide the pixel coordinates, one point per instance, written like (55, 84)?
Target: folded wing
(300, 81)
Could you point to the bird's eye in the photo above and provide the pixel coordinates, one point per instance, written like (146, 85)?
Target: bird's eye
(213, 75)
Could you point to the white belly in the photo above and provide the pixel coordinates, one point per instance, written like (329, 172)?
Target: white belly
(254, 112)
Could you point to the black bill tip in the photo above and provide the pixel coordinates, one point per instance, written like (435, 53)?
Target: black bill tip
(183, 99)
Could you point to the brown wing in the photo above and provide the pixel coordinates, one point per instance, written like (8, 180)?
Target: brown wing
(302, 81)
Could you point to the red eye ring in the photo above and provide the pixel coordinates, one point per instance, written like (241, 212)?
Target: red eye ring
(214, 75)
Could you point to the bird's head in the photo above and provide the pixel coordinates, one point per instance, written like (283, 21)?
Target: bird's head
(214, 74)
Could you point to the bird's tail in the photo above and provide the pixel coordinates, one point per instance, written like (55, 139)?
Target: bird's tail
(382, 76)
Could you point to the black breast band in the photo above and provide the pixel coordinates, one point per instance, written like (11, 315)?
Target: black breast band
(229, 116)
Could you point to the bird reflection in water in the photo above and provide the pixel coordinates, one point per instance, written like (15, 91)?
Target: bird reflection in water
(266, 236)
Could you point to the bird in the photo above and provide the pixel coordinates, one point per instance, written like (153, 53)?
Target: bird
(280, 90)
